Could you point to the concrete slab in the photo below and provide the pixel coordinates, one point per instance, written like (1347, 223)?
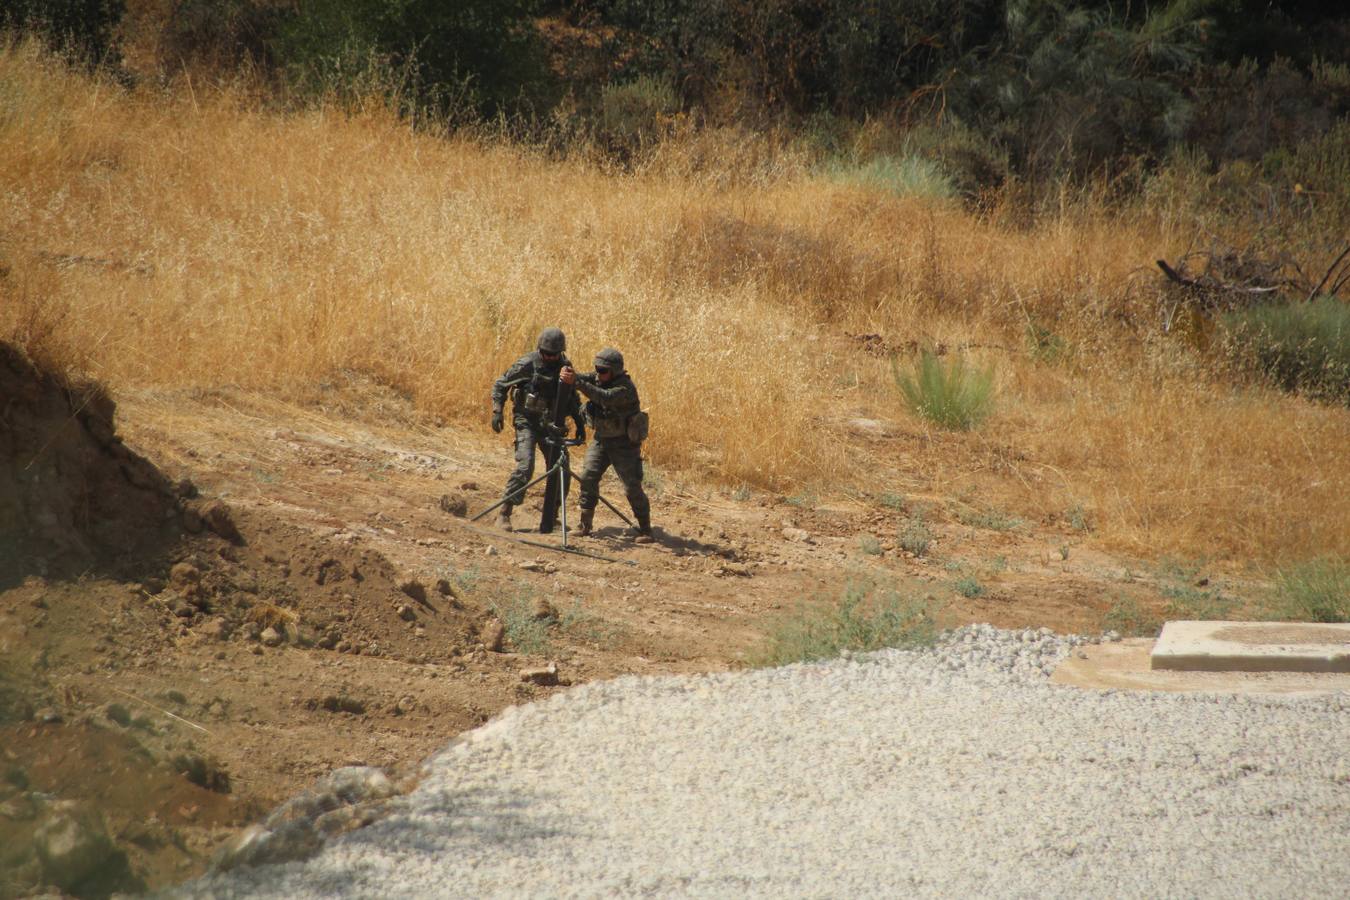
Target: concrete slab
(1125, 665)
(1252, 647)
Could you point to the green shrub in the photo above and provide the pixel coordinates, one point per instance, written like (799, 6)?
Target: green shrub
(637, 112)
(1302, 347)
(990, 519)
(953, 394)
(969, 587)
(916, 536)
(1317, 591)
(904, 176)
(1185, 601)
(869, 545)
(864, 618)
(525, 632)
(1125, 616)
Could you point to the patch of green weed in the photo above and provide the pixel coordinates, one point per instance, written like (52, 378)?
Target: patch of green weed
(1316, 591)
(866, 617)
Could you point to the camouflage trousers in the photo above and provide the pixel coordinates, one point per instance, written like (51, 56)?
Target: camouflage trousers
(527, 441)
(626, 458)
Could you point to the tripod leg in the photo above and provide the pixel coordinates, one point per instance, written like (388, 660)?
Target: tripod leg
(513, 498)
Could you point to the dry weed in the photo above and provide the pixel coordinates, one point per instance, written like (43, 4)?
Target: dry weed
(182, 238)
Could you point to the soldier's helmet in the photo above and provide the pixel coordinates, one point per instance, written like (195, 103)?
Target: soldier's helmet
(611, 359)
(552, 340)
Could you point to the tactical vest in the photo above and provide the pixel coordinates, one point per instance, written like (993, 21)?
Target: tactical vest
(611, 420)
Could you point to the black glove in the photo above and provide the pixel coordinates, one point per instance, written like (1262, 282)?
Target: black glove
(581, 433)
(497, 421)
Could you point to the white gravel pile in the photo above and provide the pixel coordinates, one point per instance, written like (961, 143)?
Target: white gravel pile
(948, 772)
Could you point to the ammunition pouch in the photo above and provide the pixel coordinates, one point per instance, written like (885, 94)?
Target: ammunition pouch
(638, 425)
(536, 404)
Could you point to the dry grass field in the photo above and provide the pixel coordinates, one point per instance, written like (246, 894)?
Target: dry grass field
(194, 238)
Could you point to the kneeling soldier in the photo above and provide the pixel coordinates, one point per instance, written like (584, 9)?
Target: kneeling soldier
(612, 405)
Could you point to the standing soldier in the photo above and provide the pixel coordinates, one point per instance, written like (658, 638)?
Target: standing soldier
(620, 427)
(535, 380)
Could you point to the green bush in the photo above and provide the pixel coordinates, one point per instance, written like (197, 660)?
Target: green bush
(969, 587)
(953, 394)
(1302, 347)
(1317, 591)
(525, 632)
(865, 618)
(1126, 617)
(637, 112)
(904, 176)
(916, 536)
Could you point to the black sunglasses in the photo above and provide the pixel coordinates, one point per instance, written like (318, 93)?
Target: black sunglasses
(602, 370)
(547, 355)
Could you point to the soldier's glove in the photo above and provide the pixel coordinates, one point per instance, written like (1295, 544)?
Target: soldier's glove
(497, 421)
(581, 434)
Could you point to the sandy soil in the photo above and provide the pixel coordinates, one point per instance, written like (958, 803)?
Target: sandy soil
(355, 549)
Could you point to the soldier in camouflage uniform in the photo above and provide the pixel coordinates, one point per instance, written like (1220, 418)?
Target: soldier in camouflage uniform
(535, 378)
(612, 402)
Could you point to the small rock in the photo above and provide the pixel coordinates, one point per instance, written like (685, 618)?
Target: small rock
(455, 504)
(532, 565)
(216, 629)
(220, 520)
(545, 676)
(797, 536)
(256, 649)
(492, 635)
(468, 485)
(404, 706)
(444, 588)
(542, 610)
(406, 613)
(271, 637)
(489, 551)
(71, 849)
(415, 590)
(192, 522)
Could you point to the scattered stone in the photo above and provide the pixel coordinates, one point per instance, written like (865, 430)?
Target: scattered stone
(185, 488)
(492, 635)
(455, 504)
(545, 676)
(184, 610)
(202, 771)
(468, 485)
(489, 551)
(345, 800)
(532, 565)
(221, 521)
(256, 649)
(726, 570)
(415, 590)
(192, 522)
(543, 611)
(406, 613)
(48, 716)
(216, 629)
(404, 706)
(271, 637)
(444, 588)
(71, 848)
(343, 703)
(797, 536)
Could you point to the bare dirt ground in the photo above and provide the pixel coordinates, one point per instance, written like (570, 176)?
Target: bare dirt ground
(162, 700)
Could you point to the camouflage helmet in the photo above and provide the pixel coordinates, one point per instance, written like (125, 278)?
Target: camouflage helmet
(611, 359)
(552, 340)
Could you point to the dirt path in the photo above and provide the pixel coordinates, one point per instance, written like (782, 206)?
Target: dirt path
(339, 508)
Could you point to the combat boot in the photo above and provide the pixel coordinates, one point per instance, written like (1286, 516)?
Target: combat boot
(644, 530)
(504, 517)
(586, 523)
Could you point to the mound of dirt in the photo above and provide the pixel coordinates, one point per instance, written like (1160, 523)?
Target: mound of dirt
(72, 496)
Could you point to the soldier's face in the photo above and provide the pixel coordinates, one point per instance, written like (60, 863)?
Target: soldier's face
(603, 373)
(549, 357)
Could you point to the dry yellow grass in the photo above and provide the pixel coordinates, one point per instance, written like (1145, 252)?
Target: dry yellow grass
(184, 237)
